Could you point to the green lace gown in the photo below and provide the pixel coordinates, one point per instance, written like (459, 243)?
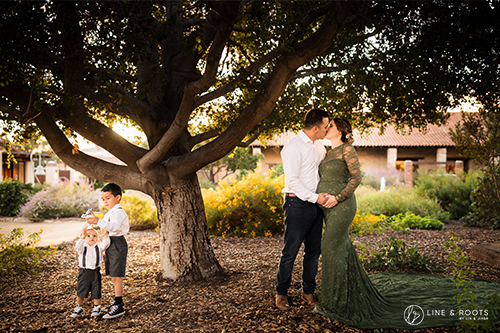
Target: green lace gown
(383, 300)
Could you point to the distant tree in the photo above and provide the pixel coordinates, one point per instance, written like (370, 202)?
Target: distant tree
(240, 159)
(478, 137)
(247, 68)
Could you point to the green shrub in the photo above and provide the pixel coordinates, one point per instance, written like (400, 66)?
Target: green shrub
(396, 200)
(20, 255)
(141, 213)
(412, 221)
(395, 255)
(249, 207)
(61, 200)
(453, 193)
(485, 210)
(12, 196)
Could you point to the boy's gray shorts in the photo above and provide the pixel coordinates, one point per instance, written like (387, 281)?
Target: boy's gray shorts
(116, 256)
(89, 280)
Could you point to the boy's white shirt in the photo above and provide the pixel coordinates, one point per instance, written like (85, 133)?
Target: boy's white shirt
(115, 221)
(90, 259)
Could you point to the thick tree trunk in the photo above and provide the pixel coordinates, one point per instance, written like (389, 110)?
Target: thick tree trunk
(185, 249)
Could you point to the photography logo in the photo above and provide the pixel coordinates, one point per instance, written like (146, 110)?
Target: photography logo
(414, 315)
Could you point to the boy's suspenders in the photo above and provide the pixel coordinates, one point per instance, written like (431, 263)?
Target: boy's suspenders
(96, 257)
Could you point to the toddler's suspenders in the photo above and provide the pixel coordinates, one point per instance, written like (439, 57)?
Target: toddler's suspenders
(85, 256)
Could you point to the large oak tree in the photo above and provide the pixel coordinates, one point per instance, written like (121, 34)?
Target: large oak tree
(249, 67)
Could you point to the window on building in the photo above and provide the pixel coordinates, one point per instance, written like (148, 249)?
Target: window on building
(400, 164)
(15, 171)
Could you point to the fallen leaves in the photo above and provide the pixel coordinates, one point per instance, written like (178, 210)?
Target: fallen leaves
(241, 301)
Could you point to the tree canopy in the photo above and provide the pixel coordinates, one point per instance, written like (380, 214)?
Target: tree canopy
(246, 68)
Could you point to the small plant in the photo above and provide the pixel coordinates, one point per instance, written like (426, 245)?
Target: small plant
(20, 255)
(461, 273)
(395, 255)
(412, 221)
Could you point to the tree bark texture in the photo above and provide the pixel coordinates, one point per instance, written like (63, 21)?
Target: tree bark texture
(185, 249)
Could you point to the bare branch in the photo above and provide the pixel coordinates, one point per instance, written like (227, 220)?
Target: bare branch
(244, 30)
(204, 136)
(253, 137)
(136, 103)
(99, 134)
(315, 71)
(90, 166)
(111, 72)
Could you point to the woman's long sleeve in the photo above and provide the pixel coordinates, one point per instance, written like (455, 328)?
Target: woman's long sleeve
(350, 157)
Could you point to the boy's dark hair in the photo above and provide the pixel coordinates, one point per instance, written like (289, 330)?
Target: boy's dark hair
(314, 117)
(113, 188)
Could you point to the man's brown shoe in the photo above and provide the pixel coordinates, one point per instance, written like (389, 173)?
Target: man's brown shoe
(282, 302)
(311, 299)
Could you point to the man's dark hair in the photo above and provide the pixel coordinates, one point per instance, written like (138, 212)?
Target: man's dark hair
(113, 188)
(314, 117)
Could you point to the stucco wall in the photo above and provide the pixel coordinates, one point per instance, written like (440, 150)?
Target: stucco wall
(376, 158)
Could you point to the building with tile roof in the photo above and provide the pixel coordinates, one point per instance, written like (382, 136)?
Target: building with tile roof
(22, 166)
(427, 149)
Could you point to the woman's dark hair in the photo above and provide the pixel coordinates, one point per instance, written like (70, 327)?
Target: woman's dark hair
(344, 126)
(314, 117)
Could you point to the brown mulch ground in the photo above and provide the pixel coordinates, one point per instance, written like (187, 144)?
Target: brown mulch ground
(242, 301)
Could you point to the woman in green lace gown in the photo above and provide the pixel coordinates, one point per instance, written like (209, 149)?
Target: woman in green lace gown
(348, 294)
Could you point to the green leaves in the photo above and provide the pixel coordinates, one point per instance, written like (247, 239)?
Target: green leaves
(394, 255)
(18, 255)
(12, 196)
(412, 221)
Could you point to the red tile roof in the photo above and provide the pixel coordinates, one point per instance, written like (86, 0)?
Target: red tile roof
(434, 136)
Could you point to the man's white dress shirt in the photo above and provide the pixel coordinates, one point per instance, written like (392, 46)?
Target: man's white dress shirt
(301, 158)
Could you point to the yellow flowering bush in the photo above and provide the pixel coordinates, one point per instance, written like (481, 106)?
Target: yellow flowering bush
(249, 207)
(141, 213)
(18, 253)
(367, 224)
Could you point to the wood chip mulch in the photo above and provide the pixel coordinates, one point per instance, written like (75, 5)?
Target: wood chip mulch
(241, 301)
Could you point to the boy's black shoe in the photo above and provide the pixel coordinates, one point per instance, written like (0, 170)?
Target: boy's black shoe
(107, 308)
(116, 310)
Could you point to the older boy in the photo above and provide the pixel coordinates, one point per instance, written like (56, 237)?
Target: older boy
(116, 222)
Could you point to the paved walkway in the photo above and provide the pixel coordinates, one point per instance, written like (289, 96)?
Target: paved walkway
(54, 232)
